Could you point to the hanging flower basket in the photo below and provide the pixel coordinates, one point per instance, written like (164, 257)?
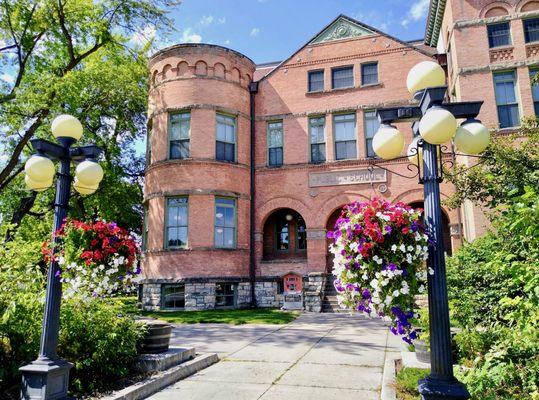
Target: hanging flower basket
(96, 259)
(379, 267)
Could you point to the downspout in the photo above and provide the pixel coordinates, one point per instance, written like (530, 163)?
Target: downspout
(253, 90)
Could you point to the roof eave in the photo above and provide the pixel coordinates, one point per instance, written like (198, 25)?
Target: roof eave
(434, 22)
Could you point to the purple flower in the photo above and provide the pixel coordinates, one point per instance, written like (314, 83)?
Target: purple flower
(330, 235)
(388, 229)
(366, 294)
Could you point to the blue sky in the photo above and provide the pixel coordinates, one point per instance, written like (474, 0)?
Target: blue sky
(271, 30)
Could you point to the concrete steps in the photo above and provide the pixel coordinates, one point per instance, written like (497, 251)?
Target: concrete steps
(329, 302)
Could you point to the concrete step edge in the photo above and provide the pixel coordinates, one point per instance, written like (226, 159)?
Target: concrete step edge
(161, 380)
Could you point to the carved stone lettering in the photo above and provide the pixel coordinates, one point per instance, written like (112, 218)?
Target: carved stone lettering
(347, 177)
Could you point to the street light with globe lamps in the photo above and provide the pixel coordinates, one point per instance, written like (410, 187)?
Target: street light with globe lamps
(434, 123)
(47, 377)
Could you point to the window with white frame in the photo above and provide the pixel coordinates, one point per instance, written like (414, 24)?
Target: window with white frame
(275, 143)
(225, 149)
(225, 223)
(180, 127)
(318, 139)
(344, 128)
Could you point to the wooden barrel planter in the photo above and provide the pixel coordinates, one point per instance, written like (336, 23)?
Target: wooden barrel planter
(422, 352)
(157, 339)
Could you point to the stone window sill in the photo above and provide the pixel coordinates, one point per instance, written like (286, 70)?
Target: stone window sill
(285, 261)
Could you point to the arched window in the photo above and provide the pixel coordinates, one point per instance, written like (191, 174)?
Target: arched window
(285, 235)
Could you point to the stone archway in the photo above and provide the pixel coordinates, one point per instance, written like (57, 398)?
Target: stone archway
(284, 236)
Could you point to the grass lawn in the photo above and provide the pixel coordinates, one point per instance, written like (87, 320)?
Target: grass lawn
(407, 383)
(235, 317)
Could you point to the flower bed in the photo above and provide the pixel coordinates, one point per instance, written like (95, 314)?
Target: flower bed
(379, 266)
(96, 259)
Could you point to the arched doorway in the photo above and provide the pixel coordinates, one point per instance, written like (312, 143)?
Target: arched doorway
(445, 227)
(285, 236)
(330, 225)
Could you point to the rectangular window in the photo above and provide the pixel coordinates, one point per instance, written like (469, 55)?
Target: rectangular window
(316, 81)
(173, 296)
(345, 136)
(149, 147)
(531, 30)
(180, 127)
(275, 144)
(145, 229)
(535, 90)
(499, 34)
(506, 99)
(342, 77)
(225, 223)
(176, 222)
(318, 139)
(371, 126)
(226, 138)
(369, 73)
(225, 294)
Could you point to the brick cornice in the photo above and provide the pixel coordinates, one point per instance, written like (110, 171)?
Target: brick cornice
(396, 103)
(483, 21)
(497, 67)
(193, 161)
(183, 78)
(196, 192)
(347, 58)
(199, 106)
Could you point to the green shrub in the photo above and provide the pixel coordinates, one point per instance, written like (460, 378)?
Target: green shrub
(494, 293)
(94, 336)
(101, 344)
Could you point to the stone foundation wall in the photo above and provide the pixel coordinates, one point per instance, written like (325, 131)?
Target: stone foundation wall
(314, 285)
(244, 295)
(199, 296)
(267, 295)
(151, 296)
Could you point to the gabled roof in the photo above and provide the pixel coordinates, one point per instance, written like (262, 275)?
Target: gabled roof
(434, 21)
(341, 28)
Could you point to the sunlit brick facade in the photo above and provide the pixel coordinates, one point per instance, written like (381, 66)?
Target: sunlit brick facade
(249, 166)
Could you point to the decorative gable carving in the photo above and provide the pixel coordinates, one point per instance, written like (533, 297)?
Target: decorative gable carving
(342, 28)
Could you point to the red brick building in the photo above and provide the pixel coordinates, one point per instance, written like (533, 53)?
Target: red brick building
(249, 165)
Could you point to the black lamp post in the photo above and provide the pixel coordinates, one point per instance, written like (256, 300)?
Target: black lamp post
(47, 377)
(441, 383)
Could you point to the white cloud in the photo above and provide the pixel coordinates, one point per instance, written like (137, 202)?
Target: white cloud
(207, 20)
(7, 78)
(188, 36)
(254, 32)
(418, 10)
(226, 41)
(221, 20)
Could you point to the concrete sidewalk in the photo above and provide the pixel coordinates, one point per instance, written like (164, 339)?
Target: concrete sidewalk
(329, 356)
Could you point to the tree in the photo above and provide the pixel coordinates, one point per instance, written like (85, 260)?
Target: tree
(507, 167)
(78, 57)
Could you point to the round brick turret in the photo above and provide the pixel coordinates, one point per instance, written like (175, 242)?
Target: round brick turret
(203, 81)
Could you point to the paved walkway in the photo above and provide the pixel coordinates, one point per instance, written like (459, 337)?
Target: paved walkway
(326, 356)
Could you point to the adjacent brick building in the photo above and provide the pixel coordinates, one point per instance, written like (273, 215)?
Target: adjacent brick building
(249, 165)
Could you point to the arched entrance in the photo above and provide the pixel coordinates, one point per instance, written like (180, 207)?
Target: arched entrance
(330, 225)
(445, 227)
(285, 236)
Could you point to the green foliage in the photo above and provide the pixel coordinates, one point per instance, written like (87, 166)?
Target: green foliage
(94, 336)
(509, 164)
(494, 292)
(407, 379)
(101, 344)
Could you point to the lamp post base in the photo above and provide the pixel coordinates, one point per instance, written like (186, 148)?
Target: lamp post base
(432, 388)
(45, 379)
